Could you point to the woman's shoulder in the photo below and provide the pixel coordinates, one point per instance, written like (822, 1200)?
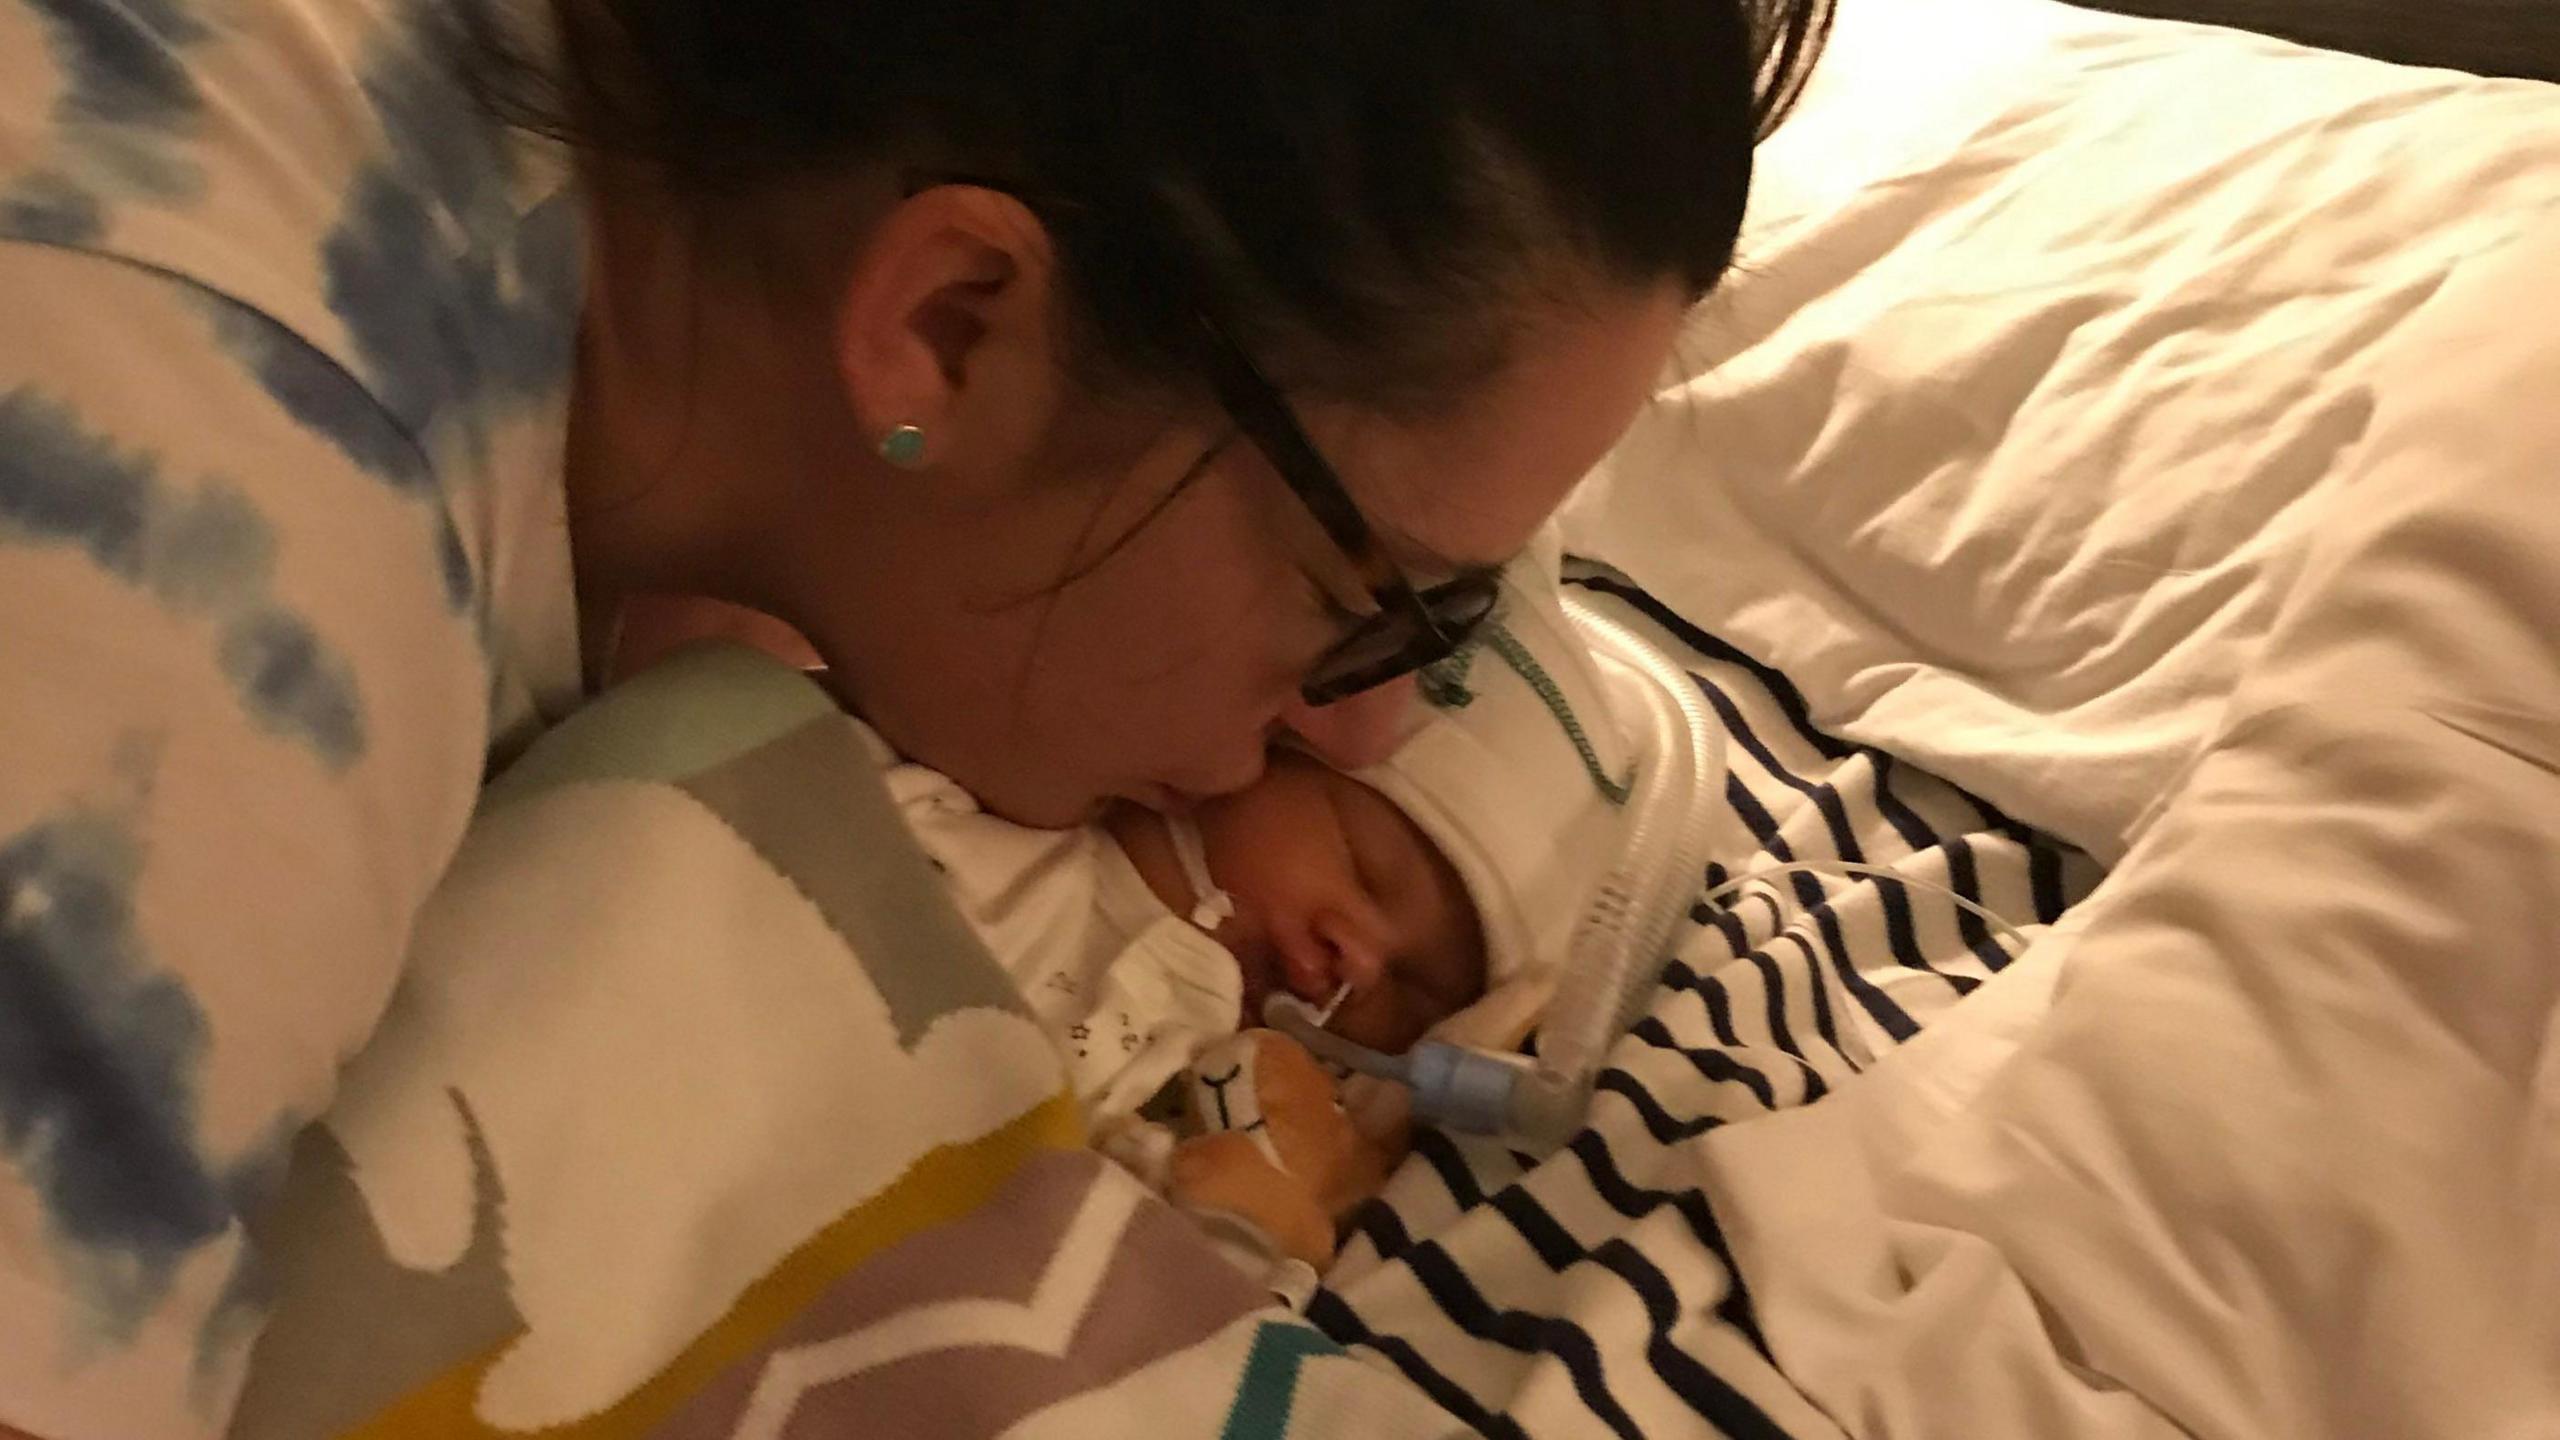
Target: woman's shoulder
(327, 164)
(354, 238)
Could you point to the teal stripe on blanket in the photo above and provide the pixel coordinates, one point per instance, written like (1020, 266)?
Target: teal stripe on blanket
(1269, 1389)
(688, 714)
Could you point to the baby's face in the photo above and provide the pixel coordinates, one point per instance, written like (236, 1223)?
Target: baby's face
(1333, 884)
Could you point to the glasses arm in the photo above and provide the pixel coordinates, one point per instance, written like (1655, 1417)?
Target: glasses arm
(1258, 410)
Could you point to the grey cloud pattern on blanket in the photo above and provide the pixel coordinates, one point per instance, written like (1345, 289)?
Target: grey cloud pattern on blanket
(333, 1262)
(811, 807)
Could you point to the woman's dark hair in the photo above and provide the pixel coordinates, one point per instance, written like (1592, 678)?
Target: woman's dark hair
(1362, 192)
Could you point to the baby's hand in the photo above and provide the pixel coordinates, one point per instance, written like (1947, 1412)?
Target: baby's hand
(1141, 1147)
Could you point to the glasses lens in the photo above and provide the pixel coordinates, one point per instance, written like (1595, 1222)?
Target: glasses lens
(1397, 642)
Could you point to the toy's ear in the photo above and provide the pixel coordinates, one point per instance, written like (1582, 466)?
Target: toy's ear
(1307, 1130)
(1263, 1082)
(1225, 1085)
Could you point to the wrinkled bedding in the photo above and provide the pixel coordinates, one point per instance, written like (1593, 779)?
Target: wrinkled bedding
(2058, 335)
(2270, 1145)
(1596, 1291)
(2152, 430)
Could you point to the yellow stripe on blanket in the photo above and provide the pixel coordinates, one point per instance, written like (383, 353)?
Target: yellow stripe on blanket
(949, 1182)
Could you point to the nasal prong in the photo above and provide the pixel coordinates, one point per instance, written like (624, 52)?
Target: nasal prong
(1333, 1003)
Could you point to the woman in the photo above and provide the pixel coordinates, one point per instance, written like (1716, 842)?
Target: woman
(1103, 390)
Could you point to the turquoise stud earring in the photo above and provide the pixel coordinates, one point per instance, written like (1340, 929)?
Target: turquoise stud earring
(903, 447)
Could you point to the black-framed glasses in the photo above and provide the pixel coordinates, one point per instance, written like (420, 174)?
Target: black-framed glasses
(1413, 626)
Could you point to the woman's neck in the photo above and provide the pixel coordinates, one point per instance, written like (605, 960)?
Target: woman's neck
(627, 462)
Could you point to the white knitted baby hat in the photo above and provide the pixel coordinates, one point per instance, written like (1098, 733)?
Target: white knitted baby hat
(1521, 774)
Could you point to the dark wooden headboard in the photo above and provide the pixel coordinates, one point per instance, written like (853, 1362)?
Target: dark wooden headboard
(2486, 37)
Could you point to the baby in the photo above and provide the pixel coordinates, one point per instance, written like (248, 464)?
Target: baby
(1330, 890)
(1308, 882)
(1429, 896)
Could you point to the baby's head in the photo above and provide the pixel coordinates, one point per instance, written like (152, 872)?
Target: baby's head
(1444, 885)
(1333, 885)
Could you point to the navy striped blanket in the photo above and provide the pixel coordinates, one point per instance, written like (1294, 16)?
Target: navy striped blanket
(1593, 1292)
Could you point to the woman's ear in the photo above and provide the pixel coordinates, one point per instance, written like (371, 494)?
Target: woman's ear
(945, 337)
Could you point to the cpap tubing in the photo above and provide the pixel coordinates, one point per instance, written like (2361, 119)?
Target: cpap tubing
(1304, 1023)
(1610, 959)
(1484, 1093)
(1614, 949)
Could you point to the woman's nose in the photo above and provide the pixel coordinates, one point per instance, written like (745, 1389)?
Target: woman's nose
(1359, 730)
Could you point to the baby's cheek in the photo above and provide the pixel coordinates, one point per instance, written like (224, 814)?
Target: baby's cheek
(1383, 1021)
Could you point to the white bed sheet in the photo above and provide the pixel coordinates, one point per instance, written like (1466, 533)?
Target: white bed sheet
(2264, 1141)
(2059, 332)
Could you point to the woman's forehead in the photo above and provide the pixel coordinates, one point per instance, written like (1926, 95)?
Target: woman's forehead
(1466, 488)
(1435, 506)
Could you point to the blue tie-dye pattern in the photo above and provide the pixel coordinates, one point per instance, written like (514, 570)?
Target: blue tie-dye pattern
(120, 60)
(60, 486)
(456, 299)
(296, 686)
(460, 309)
(126, 97)
(48, 208)
(98, 1061)
(458, 304)
(322, 397)
(208, 553)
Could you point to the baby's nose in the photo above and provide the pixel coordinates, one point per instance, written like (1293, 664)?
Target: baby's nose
(1332, 947)
(1357, 731)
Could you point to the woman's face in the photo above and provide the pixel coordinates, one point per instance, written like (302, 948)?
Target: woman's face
(1010, 651)
(1066, 601)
